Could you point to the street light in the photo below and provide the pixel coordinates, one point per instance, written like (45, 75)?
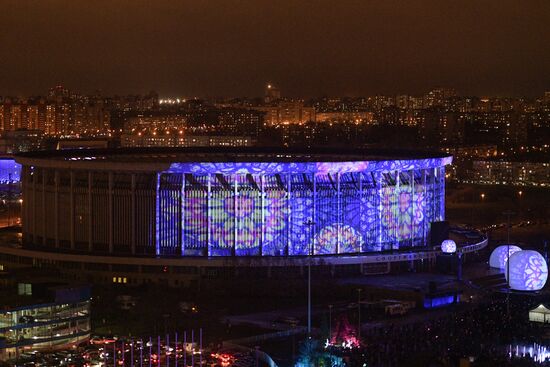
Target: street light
(508, 214)
(329, 323)
(359, 313)
(310, 224)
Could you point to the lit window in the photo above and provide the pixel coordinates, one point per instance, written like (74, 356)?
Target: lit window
(124, 280)
(114, 279)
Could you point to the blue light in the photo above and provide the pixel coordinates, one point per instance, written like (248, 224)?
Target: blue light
(433, 302)
(284, 208)
(10, 172)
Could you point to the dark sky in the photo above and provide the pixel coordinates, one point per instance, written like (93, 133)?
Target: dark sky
(308, 48)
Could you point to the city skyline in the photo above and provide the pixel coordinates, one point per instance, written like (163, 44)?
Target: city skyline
(260, 94)
(345, 48)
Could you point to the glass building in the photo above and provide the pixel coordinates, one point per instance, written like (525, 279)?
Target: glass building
(43, 317)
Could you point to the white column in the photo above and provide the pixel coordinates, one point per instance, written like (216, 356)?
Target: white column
(235, 209)
(339, 216)
(43, 216)
(133, 209)
(378, 177)
(289, 207)
(110, 196)
(34, 178)
(90, 213)
(25, 193)
(312, 228)
(262, 193)
(363, 235)
(56, 208)
(71, 211)
(426, 202)
(411, 184)
(398, 231)
(182, 211)
(209, 210)
(157, 215)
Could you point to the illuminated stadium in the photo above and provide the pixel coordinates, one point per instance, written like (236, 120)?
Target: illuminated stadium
(129, 210)
(196, 203)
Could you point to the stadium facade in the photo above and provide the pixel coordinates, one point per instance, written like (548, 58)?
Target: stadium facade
(204, 203)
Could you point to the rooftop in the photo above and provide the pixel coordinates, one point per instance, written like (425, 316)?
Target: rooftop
(219, 154)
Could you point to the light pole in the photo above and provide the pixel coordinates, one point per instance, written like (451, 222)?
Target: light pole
(329, 323)
(310, 224)
(9, 199)
(359, 315)
(508, 214)
(482, 202)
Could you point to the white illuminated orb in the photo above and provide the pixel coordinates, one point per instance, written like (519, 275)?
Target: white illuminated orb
(528, 271)
(499, 256)
(448, 246)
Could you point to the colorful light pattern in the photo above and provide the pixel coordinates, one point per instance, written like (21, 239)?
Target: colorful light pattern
(293, 209)
(10, 172)
(328, 239)
(528, 271)
(499, 256)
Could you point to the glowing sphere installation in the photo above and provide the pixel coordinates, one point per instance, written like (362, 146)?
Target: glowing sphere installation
(499, 256)
(528, 271)
(448, 246)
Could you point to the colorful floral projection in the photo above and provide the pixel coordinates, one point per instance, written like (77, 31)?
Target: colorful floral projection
(296, 213)
(10, 171)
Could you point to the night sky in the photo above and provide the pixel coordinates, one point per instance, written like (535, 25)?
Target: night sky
(307, 48)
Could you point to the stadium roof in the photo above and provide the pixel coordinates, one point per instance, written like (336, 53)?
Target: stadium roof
(236, 160)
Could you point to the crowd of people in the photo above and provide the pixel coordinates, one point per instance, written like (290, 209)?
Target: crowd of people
(480, 334)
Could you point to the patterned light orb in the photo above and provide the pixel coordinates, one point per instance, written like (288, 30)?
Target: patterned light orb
(499, 256)
(528, 271)
(448, 246)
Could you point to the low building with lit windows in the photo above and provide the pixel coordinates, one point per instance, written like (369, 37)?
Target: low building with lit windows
(43, 317)
(510, 172)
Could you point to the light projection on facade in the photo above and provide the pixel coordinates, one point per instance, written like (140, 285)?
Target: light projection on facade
(528, 271)
(448, 246)
(10, 171)
(499, 256)
(287, 209)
